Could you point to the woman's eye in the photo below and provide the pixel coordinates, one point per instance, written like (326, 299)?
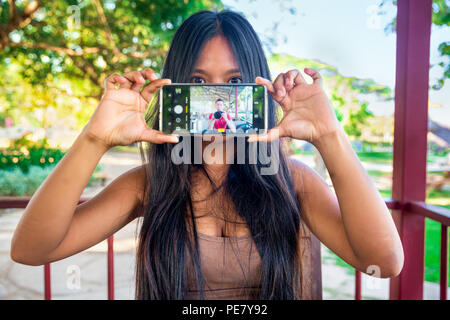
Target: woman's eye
(235, 80)
(197, 80)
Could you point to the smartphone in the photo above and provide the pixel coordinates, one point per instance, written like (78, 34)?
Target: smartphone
(213, 108)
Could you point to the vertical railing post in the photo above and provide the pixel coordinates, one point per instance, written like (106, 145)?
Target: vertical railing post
(111, 268)
(358, 295)
(235, 104)
(410, 139)
(444, 262)
(47, 282)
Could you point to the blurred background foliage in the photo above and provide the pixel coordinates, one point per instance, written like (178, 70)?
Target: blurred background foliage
(25, 153)
(441, 17)
(56, 54)
(54, 57)
(26, 163)
(348, 95)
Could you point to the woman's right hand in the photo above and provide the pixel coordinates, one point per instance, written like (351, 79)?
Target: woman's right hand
(120, 116)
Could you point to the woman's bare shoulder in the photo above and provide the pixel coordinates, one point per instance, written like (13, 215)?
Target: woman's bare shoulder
(137, 179)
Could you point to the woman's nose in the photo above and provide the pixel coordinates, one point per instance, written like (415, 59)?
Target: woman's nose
(218, 80)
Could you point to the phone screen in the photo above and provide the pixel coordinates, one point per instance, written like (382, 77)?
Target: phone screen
(208, 108)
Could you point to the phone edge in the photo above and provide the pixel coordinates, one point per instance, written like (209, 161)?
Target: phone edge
(266, 116)
(266, 108)
(160, 109)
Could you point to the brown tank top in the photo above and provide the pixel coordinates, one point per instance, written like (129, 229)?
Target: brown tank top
(231, 268)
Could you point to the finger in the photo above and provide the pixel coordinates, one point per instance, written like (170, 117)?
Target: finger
(136, 78)
(155, 136)
(294, 77)
(273, 134)
(289, 79)
(270, 88)
(280, 90)
(113, 80)
(149, 74)
(267, 83)
(317, 78)
(126, 85)
(152, 87)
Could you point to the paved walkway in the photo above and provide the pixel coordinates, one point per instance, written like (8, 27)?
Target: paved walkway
(26, 282)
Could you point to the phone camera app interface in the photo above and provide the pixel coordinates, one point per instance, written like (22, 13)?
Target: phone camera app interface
(221, 109)
(176, 109)
(213, 109)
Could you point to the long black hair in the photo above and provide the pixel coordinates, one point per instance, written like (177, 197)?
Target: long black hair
(267, 203)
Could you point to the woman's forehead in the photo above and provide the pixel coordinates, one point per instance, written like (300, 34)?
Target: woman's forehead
(217, 57)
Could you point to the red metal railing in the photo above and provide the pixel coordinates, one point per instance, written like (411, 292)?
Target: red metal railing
(432, 212)
(21, 203)
(435, 213)
(110, 267)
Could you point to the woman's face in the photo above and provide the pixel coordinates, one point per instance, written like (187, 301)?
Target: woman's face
(217, 63)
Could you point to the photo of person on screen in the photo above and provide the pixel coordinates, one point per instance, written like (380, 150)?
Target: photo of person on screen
(220, 120)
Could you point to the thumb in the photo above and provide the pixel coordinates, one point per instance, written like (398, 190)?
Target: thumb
(155, 136)
(273, 134)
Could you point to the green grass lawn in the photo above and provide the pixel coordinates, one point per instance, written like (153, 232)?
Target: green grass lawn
(433, 236)
(375, 157)
(130, 149)
(386, 157)
(377, 173)
(381, 157)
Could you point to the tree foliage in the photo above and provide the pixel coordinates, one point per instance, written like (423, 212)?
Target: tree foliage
(92, 38)
(441, 17)
(348, 95)
(55, 55)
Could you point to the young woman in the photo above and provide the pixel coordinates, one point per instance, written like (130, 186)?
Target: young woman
(223, 121)
(213, 230)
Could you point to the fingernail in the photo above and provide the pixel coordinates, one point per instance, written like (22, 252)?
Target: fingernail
(279, 92)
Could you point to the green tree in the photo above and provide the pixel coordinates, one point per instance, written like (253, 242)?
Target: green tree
(90, 38)
(348, 95)
(55, 55)
(441, 17)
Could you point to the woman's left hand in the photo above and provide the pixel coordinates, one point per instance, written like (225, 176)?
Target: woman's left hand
(307, 112)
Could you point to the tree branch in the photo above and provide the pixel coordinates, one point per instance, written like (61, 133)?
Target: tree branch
(88, 69)
(46, 46)
(108, 32)
(17, 19)
(12, 10)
